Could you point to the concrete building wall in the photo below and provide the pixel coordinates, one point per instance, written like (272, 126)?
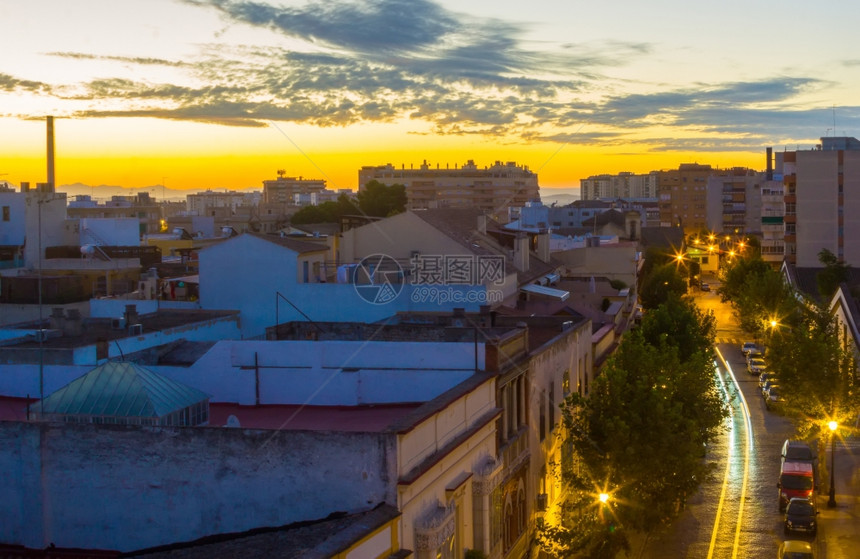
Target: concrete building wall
(612, 261)
(110, 231)
(129, 488)
(851, 207)
(817, 207)
(52, 208)
(398, 237)
(447, 483)
(13, 221)
(556, 371)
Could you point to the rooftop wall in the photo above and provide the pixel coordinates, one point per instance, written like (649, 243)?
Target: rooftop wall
(129, 488)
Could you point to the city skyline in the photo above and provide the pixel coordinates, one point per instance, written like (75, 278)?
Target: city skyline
(142, 97)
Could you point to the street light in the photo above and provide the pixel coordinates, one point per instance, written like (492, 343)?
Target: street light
(831, 503)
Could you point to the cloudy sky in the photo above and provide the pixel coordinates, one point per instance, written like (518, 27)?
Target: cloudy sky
(223, 93)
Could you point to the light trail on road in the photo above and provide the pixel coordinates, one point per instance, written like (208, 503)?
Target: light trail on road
(748, 448)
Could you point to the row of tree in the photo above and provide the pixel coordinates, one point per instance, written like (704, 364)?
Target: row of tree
(639, 437)
(805, 345)
(374, 200)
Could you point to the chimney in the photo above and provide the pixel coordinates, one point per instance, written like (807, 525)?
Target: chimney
(57, 318)
(770, 164)
(521, 252)
(130, 314)
(72, 327)
(543, 245)
(51, 184)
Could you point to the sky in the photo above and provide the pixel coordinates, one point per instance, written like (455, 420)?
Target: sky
(222, 94)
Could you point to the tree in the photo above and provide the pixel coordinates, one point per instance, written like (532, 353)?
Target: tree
(380, 200)
(327, 212)
(681, 321)
(735, 276)
(764, 297)
(834, 273)
(818, 373)
(639, 435)
(659, 284)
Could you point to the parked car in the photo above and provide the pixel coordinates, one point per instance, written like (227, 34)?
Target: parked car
(756, 366)
(746, 347)
(705, 287)
(795, 480)
(797, 451)
(795, 549)
(755, 352)
(772, 398)
(800, 516)
(766, 387)
(764, 377)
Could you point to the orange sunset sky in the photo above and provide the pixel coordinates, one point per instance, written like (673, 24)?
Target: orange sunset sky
(220, 94)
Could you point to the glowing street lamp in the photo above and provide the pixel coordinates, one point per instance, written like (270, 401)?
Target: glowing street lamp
(831, 502)
(603, 498)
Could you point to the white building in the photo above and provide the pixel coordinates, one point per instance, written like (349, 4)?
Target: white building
(202, 203)
(623, 185)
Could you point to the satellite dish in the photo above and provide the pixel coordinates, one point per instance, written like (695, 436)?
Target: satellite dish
(233, 421)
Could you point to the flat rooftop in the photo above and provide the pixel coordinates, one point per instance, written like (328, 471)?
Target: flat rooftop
(94, 330)
(362, 419)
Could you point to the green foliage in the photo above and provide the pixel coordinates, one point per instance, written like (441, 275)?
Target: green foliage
(617, 284)
(735, 277)
(327, 212)
(834, 273)
(640, 433)
(818, 374)
(379, 200)
(475, 554)
(682, 322)
(660, 283)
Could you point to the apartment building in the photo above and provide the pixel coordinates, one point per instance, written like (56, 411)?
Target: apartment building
(492, 189)
(682, 194)
(140, 206)
(734, 202)
(623, 185)
(284, 190)
(822, 199)
(204, 203)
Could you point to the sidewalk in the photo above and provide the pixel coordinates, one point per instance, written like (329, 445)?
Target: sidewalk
(839, 527)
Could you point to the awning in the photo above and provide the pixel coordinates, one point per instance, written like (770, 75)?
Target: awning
(187, 279)
(557, 294)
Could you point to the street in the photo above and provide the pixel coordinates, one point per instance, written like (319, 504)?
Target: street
(736, 511)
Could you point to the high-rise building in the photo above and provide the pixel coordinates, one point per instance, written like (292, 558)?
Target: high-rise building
(682, 194)
(734, 201)
(822, 201)
(284, 189)
(623, 185)
(492, 189)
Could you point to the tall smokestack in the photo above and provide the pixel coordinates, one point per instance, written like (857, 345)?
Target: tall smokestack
(51, 184)
(769, 164)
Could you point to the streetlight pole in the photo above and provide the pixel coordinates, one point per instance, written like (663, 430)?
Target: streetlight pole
(831, 502)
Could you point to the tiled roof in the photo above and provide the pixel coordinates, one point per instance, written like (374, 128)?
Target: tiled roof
(120, 390)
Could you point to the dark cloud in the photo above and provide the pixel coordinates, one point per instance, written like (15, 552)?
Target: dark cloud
(382, 60)
(10, 83)
(128, 59)
(372, 27)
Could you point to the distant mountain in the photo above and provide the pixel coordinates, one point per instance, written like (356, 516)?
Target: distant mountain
(559, 196)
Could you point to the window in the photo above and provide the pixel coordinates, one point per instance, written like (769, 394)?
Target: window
(6, 212)
(551, 406)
